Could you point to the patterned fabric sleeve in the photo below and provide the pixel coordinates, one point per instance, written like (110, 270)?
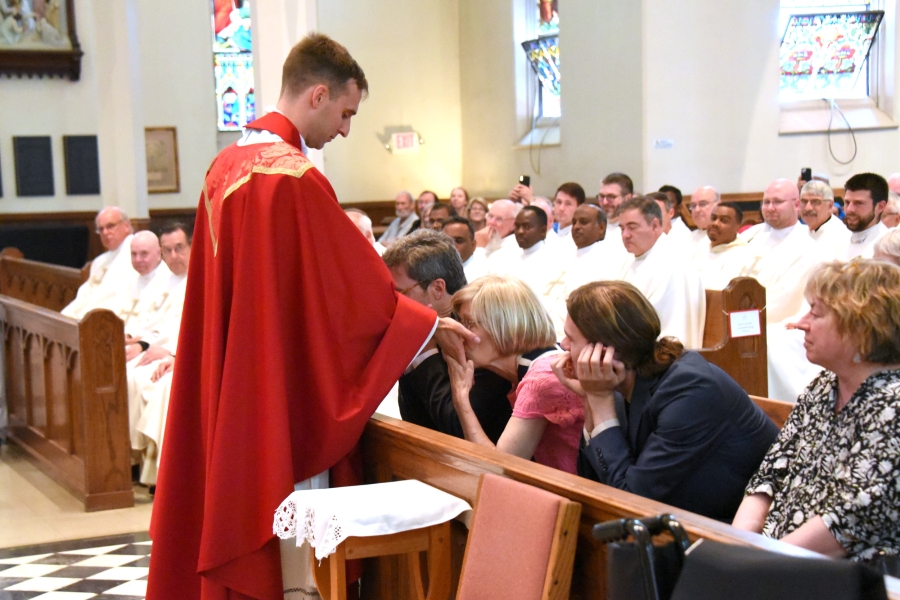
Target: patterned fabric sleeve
(540, 395)
(774, 466)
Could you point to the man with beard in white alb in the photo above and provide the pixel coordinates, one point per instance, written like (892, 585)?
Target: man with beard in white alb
(865, 196)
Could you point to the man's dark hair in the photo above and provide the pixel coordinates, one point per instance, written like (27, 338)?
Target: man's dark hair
(602, 219)
(572, 189)
(648, 207)
(661, 197)
(461, 221)
(622, 179)
(875, 184)
(177, 226)
(738, 213)
(317, 59)
(671, 188)
(428, 255)
(539, 212)
(436, 199)
(450, 210)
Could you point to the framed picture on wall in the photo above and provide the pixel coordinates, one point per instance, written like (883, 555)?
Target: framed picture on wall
(37, 37)
(162, 160)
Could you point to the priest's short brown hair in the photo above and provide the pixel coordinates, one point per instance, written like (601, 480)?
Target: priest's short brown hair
(318, 59)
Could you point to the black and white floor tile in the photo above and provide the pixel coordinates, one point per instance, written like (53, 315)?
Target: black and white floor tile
(106, 568)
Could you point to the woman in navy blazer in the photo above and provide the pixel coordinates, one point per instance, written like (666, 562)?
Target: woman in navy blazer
(659, 422)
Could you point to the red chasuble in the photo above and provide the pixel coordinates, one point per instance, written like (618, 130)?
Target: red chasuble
(292, 335)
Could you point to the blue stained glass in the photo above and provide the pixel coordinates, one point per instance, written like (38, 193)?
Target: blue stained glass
(543, 53)
(233, 63)
(823, 54)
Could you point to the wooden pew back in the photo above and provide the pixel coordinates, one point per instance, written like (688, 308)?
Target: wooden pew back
(743, 358)
(393, 450)
(42, 284)
(66, 391)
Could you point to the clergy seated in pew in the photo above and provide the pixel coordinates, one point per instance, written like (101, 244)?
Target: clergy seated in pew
(727, 255)
(660, 271)
(110, 268)
(47, 285)
(152, 336)
(518, 342)
(703, 201)
(680, 235)
(659, 422)
(462, 232)
(427, 268)
(829, 482)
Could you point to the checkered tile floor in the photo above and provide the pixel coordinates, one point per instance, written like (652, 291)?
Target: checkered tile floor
(107, 568)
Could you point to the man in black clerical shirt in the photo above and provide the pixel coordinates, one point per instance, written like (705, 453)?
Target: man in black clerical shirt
(426, 267)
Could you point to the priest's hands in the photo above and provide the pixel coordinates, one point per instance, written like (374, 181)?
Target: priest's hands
(153, 353)
(451, 336)
(164, 367)
(132, 350)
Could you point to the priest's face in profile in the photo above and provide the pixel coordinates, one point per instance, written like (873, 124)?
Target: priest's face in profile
(723, 226)
(332, 111)
(637, 234)
(860, 212)
(586, 226)
(176, 251)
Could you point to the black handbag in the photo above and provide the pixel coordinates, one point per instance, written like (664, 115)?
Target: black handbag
(640, 569)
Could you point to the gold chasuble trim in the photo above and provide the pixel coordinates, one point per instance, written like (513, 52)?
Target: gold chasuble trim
(292, 165)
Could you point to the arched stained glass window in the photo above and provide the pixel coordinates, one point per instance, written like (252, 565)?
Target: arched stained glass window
(543, 54)
(233, 63)
(825, 47)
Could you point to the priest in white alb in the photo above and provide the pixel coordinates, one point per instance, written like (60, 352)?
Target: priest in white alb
(496, 241)
(828, 231)
(670, 283)
(535, 263)
(615, 189)
(142, 286)
(108, 269)
(728, 255)
(462, 233)
(680, 237)
(701, 205)
(865, 197)
(783, 251)
(155, 338)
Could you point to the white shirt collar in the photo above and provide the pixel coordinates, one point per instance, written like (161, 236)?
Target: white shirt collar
(531, 251)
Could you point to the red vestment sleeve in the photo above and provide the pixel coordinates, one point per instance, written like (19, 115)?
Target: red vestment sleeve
(292, 334)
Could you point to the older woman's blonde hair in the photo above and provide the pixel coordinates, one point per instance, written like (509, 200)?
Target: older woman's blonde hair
(510, 313)
(478, 200)
(864, 296)
(888, 247)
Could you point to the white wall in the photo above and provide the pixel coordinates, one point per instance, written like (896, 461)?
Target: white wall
(177, 87)
(409, 50)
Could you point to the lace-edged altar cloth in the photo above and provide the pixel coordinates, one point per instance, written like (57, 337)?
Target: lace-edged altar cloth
(326, 517)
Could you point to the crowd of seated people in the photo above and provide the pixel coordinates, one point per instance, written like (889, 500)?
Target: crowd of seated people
(622, 399)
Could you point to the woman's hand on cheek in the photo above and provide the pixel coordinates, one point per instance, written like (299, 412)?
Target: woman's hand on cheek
(564, 369)
(598, 371)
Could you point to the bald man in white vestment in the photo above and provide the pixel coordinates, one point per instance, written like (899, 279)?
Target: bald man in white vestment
(728, 255)
(671, 284)
(140, 288)
(594, 259)
(702, 203)
(108, 269)
(364, 224)
(829, 233)
(496, 241)
(158, 344)
(784, 253)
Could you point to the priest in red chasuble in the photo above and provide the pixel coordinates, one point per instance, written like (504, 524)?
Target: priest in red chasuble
(292, 334)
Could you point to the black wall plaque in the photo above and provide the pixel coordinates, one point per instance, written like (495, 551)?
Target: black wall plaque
(82, 164)
(34, 166)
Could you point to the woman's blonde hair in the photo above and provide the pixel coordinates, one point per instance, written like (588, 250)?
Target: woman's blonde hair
(864, 296)
(478, 200)
(510, 312)
(889, 246)
(615, 313)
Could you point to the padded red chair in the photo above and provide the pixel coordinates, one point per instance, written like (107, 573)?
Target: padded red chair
(521, 544)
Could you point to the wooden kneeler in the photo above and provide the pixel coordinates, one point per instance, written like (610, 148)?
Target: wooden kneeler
(331, 572)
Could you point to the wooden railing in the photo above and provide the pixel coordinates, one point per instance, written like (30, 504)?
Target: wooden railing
(68, 405)
(394, 450)
(42, 284)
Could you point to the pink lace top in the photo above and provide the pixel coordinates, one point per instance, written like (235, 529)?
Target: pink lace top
(540, 395)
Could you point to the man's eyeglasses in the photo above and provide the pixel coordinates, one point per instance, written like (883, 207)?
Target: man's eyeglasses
(815, 202)
(608, 197)
(110, 227)
(405, 291)
(695, 205)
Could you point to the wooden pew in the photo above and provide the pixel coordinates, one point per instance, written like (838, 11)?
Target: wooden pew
(745, 358)
(42, 284)
(392, 450)
(68, 404)
(777, 410)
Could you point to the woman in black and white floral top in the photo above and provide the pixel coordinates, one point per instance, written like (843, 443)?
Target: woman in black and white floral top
(831, 480)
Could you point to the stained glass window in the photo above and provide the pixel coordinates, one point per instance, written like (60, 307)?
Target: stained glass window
(823, 54)
(543, 54)
(233, 64)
